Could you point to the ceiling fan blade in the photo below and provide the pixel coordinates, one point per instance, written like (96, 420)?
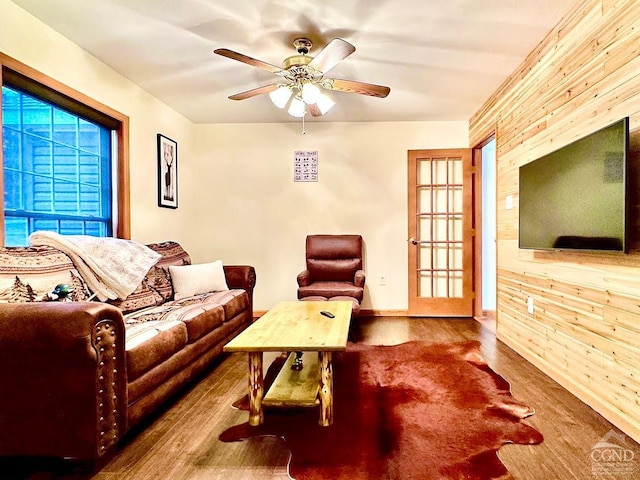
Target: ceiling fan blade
(255, 91)
(362, 88)
(248, 60)
(335, 51)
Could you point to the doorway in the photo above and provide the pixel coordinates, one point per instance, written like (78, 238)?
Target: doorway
(485, 218)
(441, 235)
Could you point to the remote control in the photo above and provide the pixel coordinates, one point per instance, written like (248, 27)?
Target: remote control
(327, 314)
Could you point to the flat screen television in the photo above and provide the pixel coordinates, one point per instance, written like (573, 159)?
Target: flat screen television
(575, 197)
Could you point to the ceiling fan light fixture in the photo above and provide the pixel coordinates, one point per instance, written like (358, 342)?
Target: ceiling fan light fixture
(324, 103)
(280, 96)
(307, 83)
(297, 107)
(310, 93)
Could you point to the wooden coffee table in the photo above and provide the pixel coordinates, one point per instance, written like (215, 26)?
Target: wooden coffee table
(295, 327)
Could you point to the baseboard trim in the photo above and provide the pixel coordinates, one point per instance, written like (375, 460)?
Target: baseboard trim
(489, 314)
(383, 313)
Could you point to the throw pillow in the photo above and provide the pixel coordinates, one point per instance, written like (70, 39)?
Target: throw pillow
(189, 280)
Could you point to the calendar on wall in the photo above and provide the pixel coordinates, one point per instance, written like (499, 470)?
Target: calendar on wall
(305, 166)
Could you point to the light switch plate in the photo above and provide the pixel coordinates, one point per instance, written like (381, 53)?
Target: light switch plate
(530, 307)
(508, 204)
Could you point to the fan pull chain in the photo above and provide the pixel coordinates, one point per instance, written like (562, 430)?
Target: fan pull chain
(303, 131)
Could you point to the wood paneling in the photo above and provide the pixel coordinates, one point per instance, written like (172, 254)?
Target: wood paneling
(585, 330)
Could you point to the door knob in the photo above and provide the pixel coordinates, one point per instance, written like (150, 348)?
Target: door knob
(413, 241)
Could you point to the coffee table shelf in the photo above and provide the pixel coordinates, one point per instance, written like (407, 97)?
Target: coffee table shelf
(295, 388)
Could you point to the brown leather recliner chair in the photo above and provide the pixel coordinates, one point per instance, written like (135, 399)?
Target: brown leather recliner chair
(334, 268)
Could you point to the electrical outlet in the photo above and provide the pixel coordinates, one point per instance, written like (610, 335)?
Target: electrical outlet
(530, 307)
(383, 279)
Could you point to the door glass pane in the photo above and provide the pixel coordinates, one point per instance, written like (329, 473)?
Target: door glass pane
(424, 257)
(440, 204)
(455, 171)
(455, 228)
(440, 256)
(424, 229)
(440, 229)
(455, 285)
(424, 199)
(424, 284)
(440, 284)
(440, 171)
(455, 199)
(424, 172)
(455, 256)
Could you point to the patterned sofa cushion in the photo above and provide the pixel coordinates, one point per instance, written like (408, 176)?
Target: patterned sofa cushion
(200, 313)
(27, 273)
(156, 287)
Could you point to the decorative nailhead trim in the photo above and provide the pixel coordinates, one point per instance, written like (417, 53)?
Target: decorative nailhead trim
(104, 336)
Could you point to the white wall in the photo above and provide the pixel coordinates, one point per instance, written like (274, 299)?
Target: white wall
(250, 210)
(237, 198)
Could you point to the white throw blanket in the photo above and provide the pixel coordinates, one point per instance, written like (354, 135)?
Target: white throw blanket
(112, 267)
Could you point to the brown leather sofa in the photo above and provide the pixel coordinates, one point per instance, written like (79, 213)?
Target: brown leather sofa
(334, 269)
(74, 379)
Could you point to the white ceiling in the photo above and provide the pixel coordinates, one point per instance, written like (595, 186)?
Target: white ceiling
(441, 58)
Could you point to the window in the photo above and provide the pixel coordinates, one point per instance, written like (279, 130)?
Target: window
(64, 160)
(57, 170)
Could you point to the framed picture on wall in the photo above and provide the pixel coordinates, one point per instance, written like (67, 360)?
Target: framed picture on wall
(167, 172)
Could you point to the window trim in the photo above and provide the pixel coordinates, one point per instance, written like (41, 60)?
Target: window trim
(121, 186)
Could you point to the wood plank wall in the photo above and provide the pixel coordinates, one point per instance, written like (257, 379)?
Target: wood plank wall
(585, 331)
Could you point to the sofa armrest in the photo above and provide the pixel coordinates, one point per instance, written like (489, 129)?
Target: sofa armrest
(241, 276)
(359, 278)
(63, 374)
(304, 278)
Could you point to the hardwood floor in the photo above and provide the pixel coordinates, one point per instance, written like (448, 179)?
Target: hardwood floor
(181, 442)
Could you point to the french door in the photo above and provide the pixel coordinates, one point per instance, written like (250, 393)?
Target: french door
(441, 236)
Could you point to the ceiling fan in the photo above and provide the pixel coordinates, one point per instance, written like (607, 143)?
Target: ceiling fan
(303, 77)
